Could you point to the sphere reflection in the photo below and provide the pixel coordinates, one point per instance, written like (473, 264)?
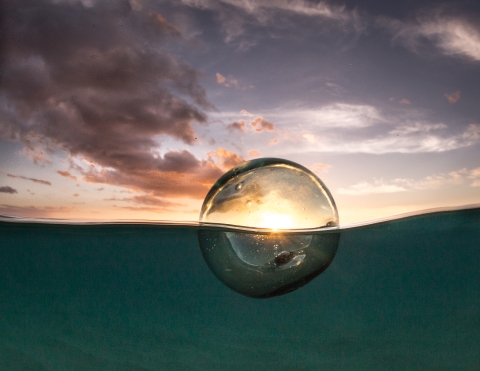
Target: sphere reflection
(274, 196)
(270, 193)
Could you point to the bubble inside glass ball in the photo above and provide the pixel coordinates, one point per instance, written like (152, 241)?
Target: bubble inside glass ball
(274, 199)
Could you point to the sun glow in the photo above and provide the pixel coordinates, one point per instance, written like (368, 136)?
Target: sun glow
(276, 221)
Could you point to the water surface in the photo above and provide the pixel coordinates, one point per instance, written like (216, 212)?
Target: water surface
(402, 294)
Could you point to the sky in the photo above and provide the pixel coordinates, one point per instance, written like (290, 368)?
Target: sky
(133, 109)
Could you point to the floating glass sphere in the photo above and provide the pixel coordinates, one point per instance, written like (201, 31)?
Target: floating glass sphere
(272, 198)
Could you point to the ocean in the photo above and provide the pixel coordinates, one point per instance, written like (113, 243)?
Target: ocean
(401, 294)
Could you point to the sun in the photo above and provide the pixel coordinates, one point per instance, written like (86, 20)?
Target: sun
(276, 221)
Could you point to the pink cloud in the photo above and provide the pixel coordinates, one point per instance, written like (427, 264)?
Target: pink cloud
(230, 82)
(66, 174)
(319, 168)
(225, 158)
(162, 23)
(260, 124)
(245, 113)
(453, 97)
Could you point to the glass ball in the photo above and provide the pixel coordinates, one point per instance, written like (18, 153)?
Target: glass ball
(288, 235)
(270, 193)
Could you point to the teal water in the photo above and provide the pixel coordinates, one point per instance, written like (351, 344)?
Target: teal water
(399, 295)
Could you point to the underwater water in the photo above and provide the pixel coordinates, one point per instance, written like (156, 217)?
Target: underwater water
(402, 294)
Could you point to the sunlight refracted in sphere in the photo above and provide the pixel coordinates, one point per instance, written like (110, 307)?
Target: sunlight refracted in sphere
(270, 193)
(276, 221)
(275, 197)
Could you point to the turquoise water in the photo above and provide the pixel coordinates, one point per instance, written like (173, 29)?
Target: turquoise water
(399, 295)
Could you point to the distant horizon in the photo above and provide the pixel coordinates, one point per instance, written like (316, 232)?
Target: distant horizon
(192, 223)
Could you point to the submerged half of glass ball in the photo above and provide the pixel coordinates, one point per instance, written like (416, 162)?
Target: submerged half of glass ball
(276, 197)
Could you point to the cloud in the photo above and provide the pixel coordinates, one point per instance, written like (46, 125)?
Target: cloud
(237, 17)
(260, 124)
(453, 35)
(46, 182)
(33, 211)
(350, 128)
(155, 201)
(96, 82)
(260, 7)
(405, 101)
(416, 127)
(226, 159)
(238, 126)
(401, 185)
(230, 82)
(66, 174)
(339, 115)
(34, 153)
(177, 174)
(453, 97)
(416, 142)
(474, 175)
(364, 188)
(434, 181)
(162, 23)
(147, 202)
(254, 153)
(246, 113)
(7, 189)
(319, 168)
(310, 138)
(220, 79)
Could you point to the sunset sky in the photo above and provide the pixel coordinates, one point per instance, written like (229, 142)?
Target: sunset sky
(132, 109)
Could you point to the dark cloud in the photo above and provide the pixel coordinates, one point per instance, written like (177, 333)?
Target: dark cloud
(238, 125)
(7, 189)
(176, 174)
(46, 182)
(98, 82)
